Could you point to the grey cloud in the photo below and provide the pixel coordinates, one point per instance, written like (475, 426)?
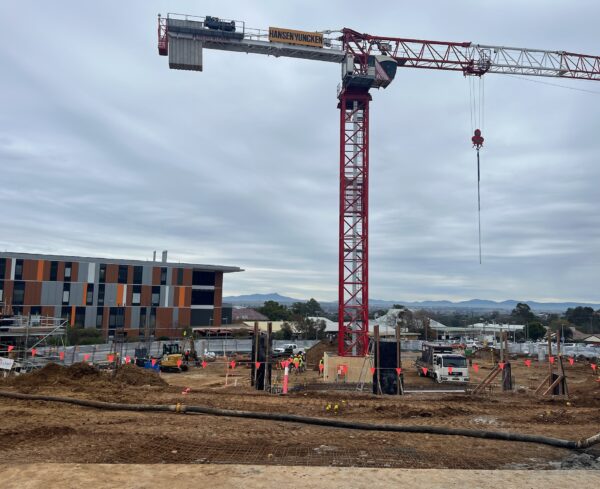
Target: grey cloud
(105, 151)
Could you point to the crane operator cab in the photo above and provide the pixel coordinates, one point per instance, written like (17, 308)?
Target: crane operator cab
(381, 70)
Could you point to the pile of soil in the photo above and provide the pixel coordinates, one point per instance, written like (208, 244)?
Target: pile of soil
(315, 353)
(82, 374)
(132, 375)
(53, 374)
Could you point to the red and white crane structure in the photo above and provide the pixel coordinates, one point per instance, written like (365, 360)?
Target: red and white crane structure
(367, 62)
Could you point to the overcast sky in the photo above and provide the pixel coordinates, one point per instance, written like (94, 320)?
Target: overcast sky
(104, 151)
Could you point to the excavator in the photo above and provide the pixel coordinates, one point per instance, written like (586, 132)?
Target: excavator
(176, 358)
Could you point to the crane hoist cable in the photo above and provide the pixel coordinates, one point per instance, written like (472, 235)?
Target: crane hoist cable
(477, 110)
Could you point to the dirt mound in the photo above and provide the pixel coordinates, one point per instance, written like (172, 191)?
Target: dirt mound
(315, 353)
(52, 374)
(82, 374)
(132, 375)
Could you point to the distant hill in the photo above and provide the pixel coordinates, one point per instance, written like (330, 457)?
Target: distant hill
(473, 304)
(260, 299)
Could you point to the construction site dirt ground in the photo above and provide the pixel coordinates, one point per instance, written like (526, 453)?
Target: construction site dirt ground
(48, 432)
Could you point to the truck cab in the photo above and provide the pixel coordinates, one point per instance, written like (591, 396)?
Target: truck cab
(450, 367)
(440, 362)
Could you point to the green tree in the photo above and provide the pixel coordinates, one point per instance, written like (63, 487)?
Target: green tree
(310, 308)
(535, 331)
(584, 318)
(561, 327)
(522, 313)
(307, 329)
(275, 311)
(285, 333)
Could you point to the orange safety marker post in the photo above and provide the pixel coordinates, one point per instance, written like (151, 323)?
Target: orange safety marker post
(476, 367)
(61, 355)
(571, 360)
(10, 348)
(593, 365)
(286, 374)
(372, 370)
(321, 368)
(528, 363)
(179, 362)
(232, 364)
(257, 364)
(153, 362)
(86, 357)
(111, 358)
(128, 359)
(501, 365)
(425, 370)
(33, 352)
(203, 364)
(399, 370)
(449, 370)
(551, 359)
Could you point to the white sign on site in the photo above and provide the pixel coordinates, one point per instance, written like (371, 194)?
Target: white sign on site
(6, 363)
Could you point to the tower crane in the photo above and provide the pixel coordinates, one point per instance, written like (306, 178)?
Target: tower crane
(367, 62)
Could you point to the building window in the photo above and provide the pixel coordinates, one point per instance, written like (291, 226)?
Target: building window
(116, 317)
(99, 317)
(122, 274)
(102, 274)
(143, 319)
(35, 311)
(79, 320)
(203, 297)
(203, 278)
(101, 290)
(180, 276)
(66, 293)
(68, 268)
(138, 272)
(136, 295)
(89, 295)
(1, 290)
(53, 271)
(156, 295)
(152, 319)
(2, 268)
(163, 276)
(19, 270)
(18, 294)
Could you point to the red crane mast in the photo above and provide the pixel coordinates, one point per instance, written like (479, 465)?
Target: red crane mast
(367, 62)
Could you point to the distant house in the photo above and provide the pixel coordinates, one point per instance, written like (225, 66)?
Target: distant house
(593, 339)
(241, 314)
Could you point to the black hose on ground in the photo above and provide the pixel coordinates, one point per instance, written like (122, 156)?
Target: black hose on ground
(329, 423)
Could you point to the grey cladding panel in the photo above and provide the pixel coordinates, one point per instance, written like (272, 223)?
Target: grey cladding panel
(185, 54)
(76, 296)
(176, 316)
(90, 317)
(135, 318)
(147, 275)
(47, 294)
(110, 295)
(169, 276)
(82, 274)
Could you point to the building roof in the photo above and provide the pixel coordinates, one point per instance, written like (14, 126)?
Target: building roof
(114, 261)
(247, 314)
(592, 339)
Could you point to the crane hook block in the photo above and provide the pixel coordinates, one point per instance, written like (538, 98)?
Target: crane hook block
(477, 139)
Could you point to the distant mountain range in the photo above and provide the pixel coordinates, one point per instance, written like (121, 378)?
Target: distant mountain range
(473, 304)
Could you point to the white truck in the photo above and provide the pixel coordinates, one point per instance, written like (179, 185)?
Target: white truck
(288, 348)
(442, 364)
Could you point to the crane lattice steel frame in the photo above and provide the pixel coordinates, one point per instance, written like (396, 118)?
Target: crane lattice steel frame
(367, 63)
